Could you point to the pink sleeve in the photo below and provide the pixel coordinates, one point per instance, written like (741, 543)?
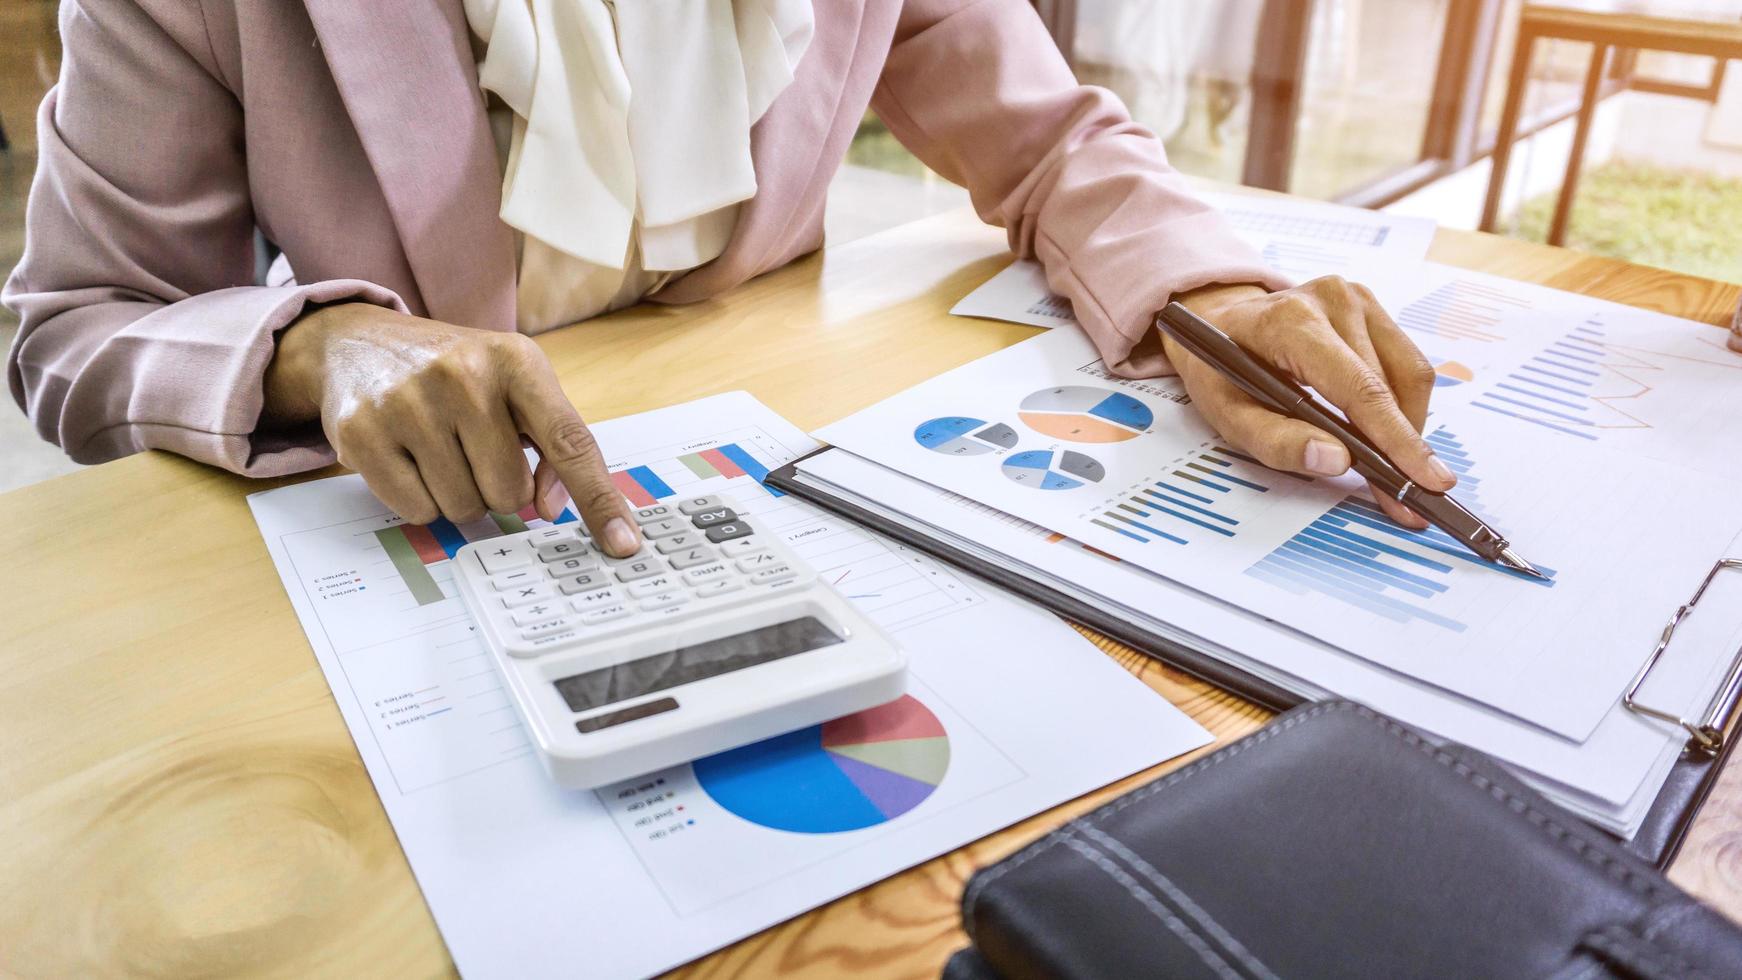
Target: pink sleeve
(977, 90)
(139, 324)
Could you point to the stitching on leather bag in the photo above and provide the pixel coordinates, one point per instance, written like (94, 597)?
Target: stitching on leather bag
(1622, 945)
(1173, 922)
(1211, 929)
(1548, 825)
(1542, 821)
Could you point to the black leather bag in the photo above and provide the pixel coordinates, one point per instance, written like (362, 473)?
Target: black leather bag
(1335, 842)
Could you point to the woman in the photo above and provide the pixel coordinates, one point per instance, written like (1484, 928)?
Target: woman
(445, 178)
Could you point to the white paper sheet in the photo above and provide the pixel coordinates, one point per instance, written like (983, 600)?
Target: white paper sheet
(1609, 778)
(1573, 368)
(525, 879)
(1301, 239)
(1040, 431)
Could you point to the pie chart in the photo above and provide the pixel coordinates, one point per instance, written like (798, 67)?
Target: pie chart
(1044, 469)
(958, 435)
(1449, 374)
(1079, 413)
(847, 774)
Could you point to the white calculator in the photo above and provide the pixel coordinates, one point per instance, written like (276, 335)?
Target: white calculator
(714, 635)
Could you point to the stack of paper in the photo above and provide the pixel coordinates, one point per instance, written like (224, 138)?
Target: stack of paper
(526, 878)
(1592, 434)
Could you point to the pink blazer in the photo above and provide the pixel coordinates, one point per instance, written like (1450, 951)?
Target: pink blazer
(353, 136)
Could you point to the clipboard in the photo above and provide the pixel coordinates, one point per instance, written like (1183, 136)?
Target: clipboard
(1712, 736)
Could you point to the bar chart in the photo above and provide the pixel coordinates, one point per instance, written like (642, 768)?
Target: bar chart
(414, 547)
(1191, 499)
(1354, 553)
(645, 485)
(1462, 309)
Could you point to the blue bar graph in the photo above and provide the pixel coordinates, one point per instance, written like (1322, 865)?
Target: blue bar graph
(1553, 389)
(1354, 553)
(447, 535)
(1183, 506)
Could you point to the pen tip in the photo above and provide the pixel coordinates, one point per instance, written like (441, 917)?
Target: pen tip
(1510, 559)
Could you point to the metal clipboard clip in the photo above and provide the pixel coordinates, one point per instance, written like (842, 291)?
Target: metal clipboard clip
(1707, 734)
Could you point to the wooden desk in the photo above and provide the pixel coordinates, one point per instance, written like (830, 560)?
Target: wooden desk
(178, 794)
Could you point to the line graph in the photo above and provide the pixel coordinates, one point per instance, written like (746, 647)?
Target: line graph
(1587, 384)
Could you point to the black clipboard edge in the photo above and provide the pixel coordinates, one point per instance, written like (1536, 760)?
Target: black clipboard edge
(1660, 836)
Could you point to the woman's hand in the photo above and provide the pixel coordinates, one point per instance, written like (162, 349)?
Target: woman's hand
(1334, 336)
(432, 416)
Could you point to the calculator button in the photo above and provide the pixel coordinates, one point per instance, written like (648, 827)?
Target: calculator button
(677, 542)
(616, 610)
(586, 582)
(514, 598)
(639, 570)
(552, 550)
(741, 546)
(692, 557)
(647, 587)
(531, 615)
(756, 561)
(505, 557)
(549, 626)
(522, 578)
(654, 514)
(555, 533)
(728, 531)
(695, 505)
(709, 518)
(584, 604)
(697, 576)
(644, 554)
(774, 575)
(572, 566)
(663, 529)
(718, 586)
(665, 599)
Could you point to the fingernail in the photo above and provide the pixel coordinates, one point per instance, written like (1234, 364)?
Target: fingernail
(1326, 458)
(1441, 471)
(555, 499)
(621, 539)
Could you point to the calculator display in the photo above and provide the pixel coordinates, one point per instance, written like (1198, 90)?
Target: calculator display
(609, 685)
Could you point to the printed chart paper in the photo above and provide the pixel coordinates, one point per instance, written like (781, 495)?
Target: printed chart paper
(1576, 369)
(1041, 432)
(1008, 712)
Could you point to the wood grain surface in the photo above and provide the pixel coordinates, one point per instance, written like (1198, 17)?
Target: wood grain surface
(179, 796)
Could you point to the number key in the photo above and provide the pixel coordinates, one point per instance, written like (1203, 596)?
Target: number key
(553, 550)
(658, 512)
(663, 529)
(572, 566)
(695, 505)
(677, 542)
(694, 556)
(588, 582)
(638, 570)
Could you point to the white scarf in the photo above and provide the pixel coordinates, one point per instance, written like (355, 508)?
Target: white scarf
(632, 118)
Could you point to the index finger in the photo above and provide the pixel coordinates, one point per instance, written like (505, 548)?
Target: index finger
(543, 413)
(1323, 360)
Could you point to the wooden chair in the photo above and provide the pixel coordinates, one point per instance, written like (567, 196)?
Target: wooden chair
(1615, 39)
